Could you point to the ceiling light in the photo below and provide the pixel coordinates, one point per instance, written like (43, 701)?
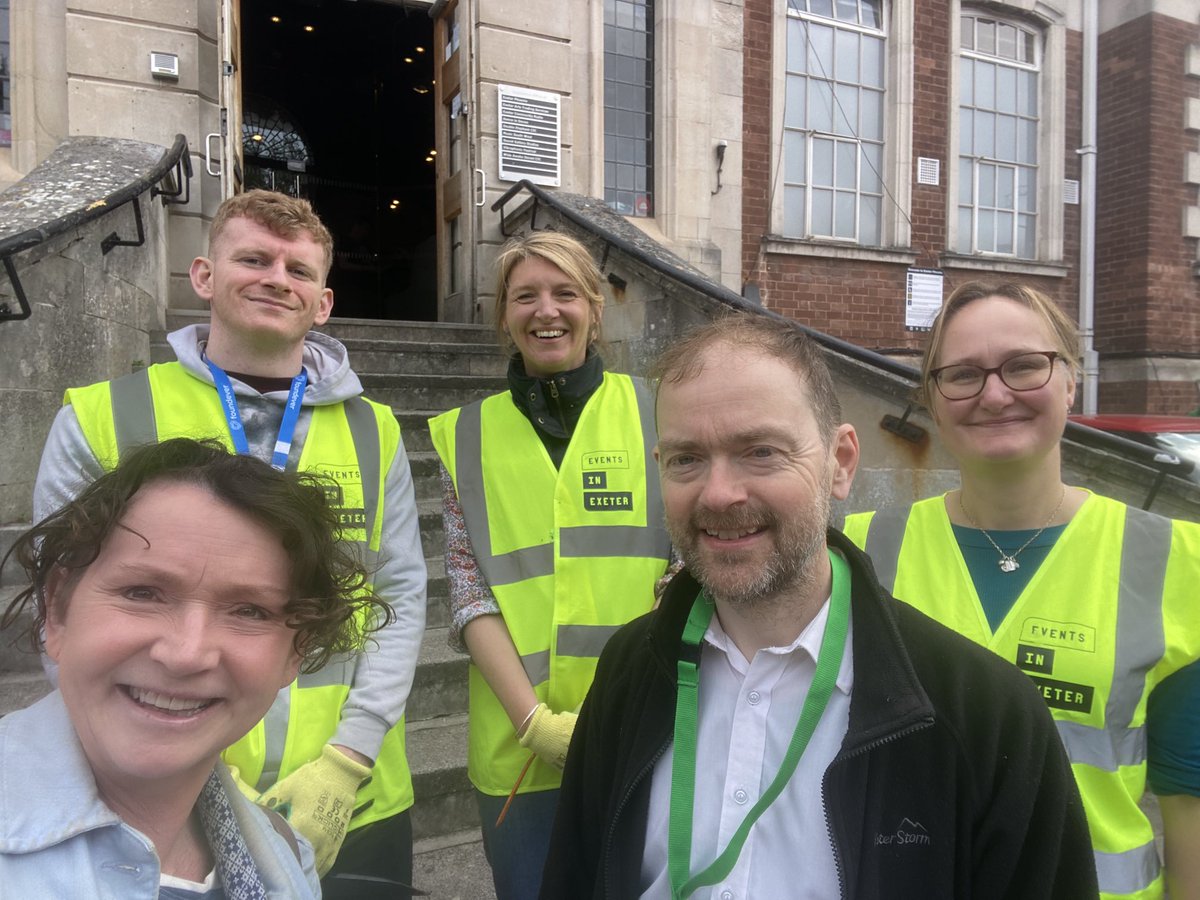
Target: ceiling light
(309, 28)
(433, 153)
(256, 137)
(408, 59)
(420, 49)
(429, 159)
(276, 19)
(421, 89)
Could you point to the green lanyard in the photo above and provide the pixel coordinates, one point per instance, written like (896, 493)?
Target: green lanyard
(683, 774)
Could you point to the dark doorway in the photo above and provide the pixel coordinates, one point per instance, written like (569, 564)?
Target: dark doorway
(338, 108)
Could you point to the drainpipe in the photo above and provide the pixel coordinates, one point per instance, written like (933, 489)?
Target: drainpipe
(1087, 213)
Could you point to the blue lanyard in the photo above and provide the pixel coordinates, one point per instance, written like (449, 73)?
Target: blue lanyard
(233, 417)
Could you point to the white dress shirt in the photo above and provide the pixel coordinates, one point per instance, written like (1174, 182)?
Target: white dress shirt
(747, 714)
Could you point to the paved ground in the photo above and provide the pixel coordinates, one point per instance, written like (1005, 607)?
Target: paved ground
(453, 868)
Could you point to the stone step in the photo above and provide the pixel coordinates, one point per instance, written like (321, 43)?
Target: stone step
(437, 757)
(414, 358)
(372, 329)
(440, 686)
(414, 428)
(430, 391)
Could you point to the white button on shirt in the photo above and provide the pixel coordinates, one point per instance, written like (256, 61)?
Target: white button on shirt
(747, 714)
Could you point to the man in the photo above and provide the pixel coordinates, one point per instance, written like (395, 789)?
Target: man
(919, 767)
(331, 749)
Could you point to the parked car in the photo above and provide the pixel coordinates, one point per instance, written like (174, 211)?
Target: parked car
(1177, 435)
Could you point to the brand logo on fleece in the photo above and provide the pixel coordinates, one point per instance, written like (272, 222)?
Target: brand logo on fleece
(907, 834)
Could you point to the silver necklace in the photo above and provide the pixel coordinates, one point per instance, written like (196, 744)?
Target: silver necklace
(1009, 563)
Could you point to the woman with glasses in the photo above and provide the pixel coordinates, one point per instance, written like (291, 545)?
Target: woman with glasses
(1094, 600)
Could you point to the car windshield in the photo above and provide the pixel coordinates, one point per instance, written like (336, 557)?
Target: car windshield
(1185, 445)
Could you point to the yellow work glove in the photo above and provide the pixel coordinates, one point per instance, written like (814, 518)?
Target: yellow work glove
(549, 735)
(246, 790)
(318, 800)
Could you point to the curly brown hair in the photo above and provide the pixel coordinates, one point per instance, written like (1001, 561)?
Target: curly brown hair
(331, 607)
(278, 213)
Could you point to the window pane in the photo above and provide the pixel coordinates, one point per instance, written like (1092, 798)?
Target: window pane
(1006, 138)
(820, 105)
(871, 116)
(847, 165)
(793, 157)
(966, 81)
(966, 180)
(987, 185)
(822, 213)
(985, 85)
(844, 225)
(793, 211)
(846, 55)
(1027, 98)
(1006, 41)
(966, 132)
(822, 161)
(985, 133)
(985, 35)
(1006, 89)
(967, 32)
(847, 10)
(1026, 141)
(1028, 191)
(1026, 237)
(872, 14)
(820, 50)
(1004, 232)
(846, 118)
(962, 241)
(797, 50)
(869, 216)
(986, 235)
(822, 8)
(870, 173)
(1005, 188)
(872, 62)
(793, 103)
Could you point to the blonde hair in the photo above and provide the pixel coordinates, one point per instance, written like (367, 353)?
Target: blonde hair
(1063, 331)
(560, 250)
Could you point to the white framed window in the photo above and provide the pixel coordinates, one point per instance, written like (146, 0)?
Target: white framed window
(834, 115)
(999, 136)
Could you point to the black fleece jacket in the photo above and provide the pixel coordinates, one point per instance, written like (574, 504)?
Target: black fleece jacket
(951, 781)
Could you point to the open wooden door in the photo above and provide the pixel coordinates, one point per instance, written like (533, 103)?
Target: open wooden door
(223, 149)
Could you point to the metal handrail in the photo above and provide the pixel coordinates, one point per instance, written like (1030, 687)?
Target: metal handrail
(1157, 461)
(176, 158)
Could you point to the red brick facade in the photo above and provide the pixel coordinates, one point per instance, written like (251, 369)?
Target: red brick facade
(1141, 201)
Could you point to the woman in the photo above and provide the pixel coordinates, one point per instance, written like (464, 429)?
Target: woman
(554, 538)
(177, 594)
(1093, 599)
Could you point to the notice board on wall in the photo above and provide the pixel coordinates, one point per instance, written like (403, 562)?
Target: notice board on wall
(530, 126)
(922, 298)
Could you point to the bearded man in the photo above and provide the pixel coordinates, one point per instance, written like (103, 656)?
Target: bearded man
(780, 726)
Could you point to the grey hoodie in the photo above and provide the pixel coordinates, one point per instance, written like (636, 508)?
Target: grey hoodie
(384, 676)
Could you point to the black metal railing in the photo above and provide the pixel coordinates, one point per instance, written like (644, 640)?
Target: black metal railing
(175, 167)
(1159, 463)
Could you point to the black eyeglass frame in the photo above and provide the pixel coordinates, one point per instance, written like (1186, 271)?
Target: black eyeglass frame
(1052, 355)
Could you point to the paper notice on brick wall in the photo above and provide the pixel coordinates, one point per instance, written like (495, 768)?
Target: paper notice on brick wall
(923, 298)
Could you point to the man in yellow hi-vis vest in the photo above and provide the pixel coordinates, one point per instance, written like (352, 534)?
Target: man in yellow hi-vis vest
(331, 750)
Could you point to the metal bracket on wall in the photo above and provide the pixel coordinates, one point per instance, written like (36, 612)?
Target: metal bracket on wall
(6, 310)
(113, 240)
(903, 428)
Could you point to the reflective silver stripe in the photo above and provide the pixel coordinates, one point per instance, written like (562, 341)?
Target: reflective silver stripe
(1128, 872)
(584, 640)
(1104, 749)
(339, 670)
(1141, 642)
(364, 432)
(275, 726)
(133, 411)
(537, 666)
(884, 537)
(505, 568)
(614, 540)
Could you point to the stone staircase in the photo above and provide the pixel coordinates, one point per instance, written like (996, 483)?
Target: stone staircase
(419, 369)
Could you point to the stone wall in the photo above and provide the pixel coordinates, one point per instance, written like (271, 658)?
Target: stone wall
(91, 312)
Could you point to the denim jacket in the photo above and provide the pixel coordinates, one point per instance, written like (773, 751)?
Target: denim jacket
(58, 838)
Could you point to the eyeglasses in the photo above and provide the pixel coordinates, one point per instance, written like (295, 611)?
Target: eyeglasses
(1024, 372)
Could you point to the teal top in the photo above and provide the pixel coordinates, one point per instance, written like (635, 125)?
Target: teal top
(998, 590)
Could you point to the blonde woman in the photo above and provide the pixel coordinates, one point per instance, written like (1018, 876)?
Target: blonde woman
(554, 531)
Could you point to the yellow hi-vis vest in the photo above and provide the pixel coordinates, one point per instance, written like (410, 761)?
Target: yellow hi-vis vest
(351, 442)
(1108, 615)
(570, 554)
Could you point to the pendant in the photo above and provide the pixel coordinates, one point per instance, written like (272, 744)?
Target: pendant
(1008, 564)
